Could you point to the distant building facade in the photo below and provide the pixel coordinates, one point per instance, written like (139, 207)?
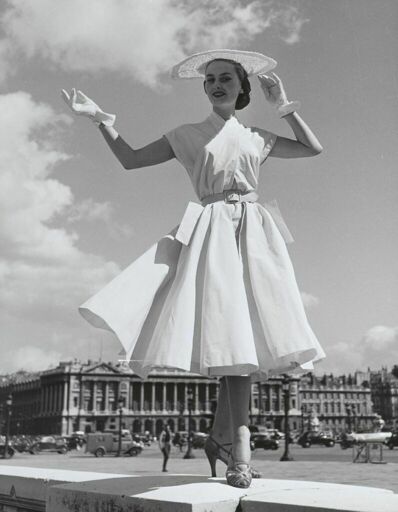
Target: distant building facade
(384, 386)
(86, 396)
(77, 396)
(341, 403)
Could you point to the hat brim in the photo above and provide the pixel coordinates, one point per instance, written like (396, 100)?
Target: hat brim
(194, 66)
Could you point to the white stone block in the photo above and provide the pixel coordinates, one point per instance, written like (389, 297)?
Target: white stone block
(296, 496)
(184, 493)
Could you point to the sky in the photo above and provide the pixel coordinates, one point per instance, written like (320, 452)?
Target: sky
(71, 218)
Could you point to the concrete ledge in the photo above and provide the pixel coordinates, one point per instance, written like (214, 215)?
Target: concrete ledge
(296, 496)
(184, 493)
(26, 488)
(33, 489)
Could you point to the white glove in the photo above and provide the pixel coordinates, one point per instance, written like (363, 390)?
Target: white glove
(275, 93)
(82, 105)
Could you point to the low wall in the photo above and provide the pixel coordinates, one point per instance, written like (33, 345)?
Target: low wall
(31, 489)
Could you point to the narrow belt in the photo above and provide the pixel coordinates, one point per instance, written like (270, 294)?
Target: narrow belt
(231, 196)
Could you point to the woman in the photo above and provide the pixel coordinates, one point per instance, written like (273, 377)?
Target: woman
(217, 295)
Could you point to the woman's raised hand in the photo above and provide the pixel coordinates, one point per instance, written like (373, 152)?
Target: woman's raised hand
(273, 89)
(274, 92)
(82, 105)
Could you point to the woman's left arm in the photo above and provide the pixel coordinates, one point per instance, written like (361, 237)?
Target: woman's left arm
(306, 143)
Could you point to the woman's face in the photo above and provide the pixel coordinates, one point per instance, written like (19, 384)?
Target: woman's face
(222, 84)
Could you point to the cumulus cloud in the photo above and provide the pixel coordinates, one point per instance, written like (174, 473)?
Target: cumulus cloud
(89, 210)
(376, 348)
(44, 276)
(142, 38)
(381, 338)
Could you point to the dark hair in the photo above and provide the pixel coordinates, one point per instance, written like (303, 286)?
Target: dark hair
(243, 98)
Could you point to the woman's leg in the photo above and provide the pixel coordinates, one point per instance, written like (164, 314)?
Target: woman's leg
(238, 394)
(222, 426)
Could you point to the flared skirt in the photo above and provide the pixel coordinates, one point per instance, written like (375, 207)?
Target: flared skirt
(216, 296)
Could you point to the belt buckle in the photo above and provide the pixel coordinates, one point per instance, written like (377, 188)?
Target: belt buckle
(231, 196)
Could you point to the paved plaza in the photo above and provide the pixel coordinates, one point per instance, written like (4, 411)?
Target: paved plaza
(331, 465)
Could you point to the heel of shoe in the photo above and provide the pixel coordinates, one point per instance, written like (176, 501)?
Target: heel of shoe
(212, 458)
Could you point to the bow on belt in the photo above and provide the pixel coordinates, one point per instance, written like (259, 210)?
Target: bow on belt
(194, 211)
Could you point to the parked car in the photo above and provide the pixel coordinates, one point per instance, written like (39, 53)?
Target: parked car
(145, 439)
(75, 441)
(10, 449)
(309, 438)
(49, 444)
(102, 443)
(274, 433)
(263, 440)
(392, 441)
(254, 429)
(21, 443)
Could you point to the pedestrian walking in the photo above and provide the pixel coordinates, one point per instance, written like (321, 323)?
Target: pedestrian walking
(217, 295)
(165, 438)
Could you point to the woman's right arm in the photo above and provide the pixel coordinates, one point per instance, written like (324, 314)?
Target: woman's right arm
(154, 153)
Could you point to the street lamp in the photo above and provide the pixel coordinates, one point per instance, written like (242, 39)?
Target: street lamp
(302, 408)
(260, 404)
(120, 403)
(8, 418)
(286, 400)
(189, 454)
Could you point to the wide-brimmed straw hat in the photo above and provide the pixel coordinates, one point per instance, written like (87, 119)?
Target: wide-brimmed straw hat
(194, 66)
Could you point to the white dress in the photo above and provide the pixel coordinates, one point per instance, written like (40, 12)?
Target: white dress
(217, 295)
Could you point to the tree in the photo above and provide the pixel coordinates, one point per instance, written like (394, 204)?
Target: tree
(395, 371)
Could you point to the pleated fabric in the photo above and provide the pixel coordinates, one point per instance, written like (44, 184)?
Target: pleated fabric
(225, 302)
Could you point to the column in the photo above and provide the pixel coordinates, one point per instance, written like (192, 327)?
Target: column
(175, 407)
(142, 397)
(280, 398)
(50, 401)
(106, 404)
(185, 397)
(196, 399)
(41, 400)
(94, 396)
(207, 405)
(65, 400)
(153, 397)
(164, 396)
(59, 397)
(269, 397)
(58, 401)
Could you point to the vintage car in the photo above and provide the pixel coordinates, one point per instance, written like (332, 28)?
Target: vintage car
(392, 441)
(46, 444)
(102, 443)
(263, 440)
(309, 438)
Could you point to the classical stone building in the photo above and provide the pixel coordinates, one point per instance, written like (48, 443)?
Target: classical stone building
(340, 403)
(384, 387)
(78, 396)
(90, 396)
